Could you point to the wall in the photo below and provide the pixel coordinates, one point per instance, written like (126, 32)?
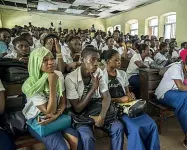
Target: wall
(155, 9)
(14, 17)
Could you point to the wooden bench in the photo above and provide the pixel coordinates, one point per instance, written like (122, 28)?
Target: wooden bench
(149, 81)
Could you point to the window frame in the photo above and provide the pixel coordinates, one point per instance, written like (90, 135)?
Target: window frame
(172, 25)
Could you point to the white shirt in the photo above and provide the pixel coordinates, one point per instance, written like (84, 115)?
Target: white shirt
(121, 77)
(120, 50)
(160, 57)
(94, 43)
(30, 110)
(105, 48)
(1, 87)
(75, 85)
(175, 54)
(131, 52)
(167, 83)
(13, 55)
(133, 69)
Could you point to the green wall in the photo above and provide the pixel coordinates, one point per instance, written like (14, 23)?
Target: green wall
(10, 18)
(159, 9)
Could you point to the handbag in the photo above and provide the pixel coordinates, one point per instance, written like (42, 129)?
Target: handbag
(132, 109)
(94, 109)
(63, 122)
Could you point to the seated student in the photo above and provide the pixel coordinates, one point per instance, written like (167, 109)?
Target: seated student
(44, 90)
(5, 36)
(130, 50)
(21, 50)
(74, 48)
(6, 142)
(140, 60)
(98, 42)
(29, 38)
(141, 131)
(173, 54)
(172, 91)
(85, 83)
(161, 57)
(109, 44)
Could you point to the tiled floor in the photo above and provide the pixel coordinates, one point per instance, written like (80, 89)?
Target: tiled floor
(171, 138)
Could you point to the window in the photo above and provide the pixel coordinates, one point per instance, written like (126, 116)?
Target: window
(153, 27)
(110, 29)
(170, 27)
(117, 27)
(134, 29)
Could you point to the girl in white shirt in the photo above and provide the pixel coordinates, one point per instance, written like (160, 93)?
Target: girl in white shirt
(44, 90)
(110, 44)
(141, 131)
(172, 91)
(140, 60)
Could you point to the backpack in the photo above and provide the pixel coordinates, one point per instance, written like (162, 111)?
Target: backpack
(13, 71)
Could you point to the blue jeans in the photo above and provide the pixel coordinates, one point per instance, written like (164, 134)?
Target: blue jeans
(6, 142)
(177, 100)
(141, 132)
(116, 133)
(56, 140)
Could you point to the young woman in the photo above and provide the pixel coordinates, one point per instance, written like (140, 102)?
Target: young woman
(109, 44)
(44, 90)
(141, 131)
(139, 60)
(172, 91)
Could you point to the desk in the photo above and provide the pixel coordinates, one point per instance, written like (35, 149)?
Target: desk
(149, 80)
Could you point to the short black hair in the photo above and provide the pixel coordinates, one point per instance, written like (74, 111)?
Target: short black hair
(162, 45)
(50, 36)
(116, 31)
(110, 37)
(107, 55)
(73, 38)
(25, 34)
(141, 47)
(147, 40)
(5, 29)
(19, 39)
(89, 49)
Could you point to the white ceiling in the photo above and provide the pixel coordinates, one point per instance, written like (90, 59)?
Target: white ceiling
(97, 8)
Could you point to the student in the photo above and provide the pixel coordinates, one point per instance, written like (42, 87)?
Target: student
(85, 83)
(172, 91)
(116, 36)
(29, 38)
(6, 142)
(130, 50)
(98, 42)
(172, 50)
(21, 50)
(109, 44)
(5, 36)
(141, 131)
(161, 57)
(44, 90)
(161, 39)
(140, 60)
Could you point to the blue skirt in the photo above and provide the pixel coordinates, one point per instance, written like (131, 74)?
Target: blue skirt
(177, 100)
(142, 133)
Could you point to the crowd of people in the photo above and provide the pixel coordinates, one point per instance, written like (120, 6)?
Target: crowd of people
(69, 69)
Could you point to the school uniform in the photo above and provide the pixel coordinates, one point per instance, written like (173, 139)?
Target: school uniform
(6, 142)
(55, 140)
(141, 131)
(75, 89)
(131, 52)
(168, 93)
(95, 44)
(160, 59)
(133, 71)
(105, 48)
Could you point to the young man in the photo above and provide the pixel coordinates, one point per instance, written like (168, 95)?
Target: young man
(21, 50)
(84, 84)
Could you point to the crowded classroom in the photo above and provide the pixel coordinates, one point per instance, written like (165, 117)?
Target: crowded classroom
(93, 75)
